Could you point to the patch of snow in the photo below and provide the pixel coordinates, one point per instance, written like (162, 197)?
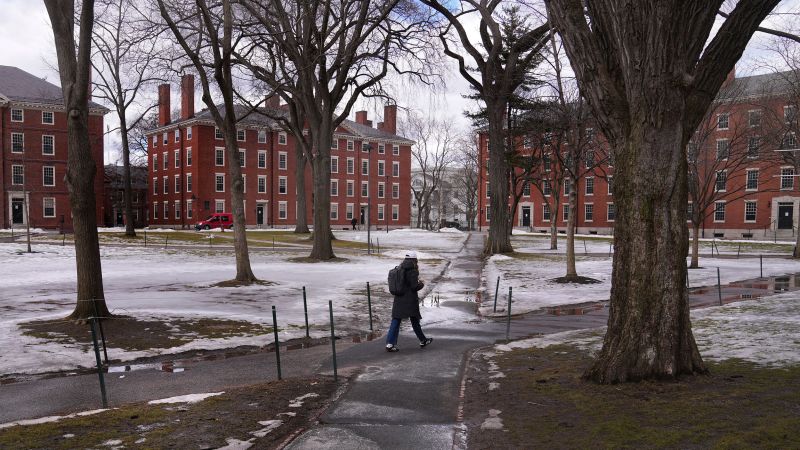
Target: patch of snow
(269, 426)
(298, 402)
(493, 422)
(450, 230)
(68, 436)
(236, 444)
(112, 443)
(50, 419)
(494, 385)
(190, 398)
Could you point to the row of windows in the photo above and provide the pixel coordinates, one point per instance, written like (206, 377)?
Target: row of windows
(18, 175)
(219, 207)
(18, 143)
(754, 117)
(350, 208)
(18, 115)
(588, 212)
(750, 208)
(547, 188)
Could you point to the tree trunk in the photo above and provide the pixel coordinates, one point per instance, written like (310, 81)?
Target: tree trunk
(322, 248)
(244, 273)
(649, 330)
(499, 237)
(554, 226)
(126, 175)
(695, 246)
(571, 220)
(301, 225)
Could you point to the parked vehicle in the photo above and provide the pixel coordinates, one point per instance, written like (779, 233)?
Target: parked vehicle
(217, 220)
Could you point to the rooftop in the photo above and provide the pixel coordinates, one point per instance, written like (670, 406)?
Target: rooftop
(19, 86)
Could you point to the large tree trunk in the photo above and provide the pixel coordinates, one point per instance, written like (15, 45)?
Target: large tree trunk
(244, 273)
(695, 246)
(649, 331)
(126, 175)
(301, 225)
(572, 272)
(499, 237)
(322, 248)
(554, 226)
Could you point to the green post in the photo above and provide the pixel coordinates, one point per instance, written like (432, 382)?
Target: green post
(99, 364)
(277, 344)
(333, 342)
(369, 305)
(305, 309)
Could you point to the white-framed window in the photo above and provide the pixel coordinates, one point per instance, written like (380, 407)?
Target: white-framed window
(218, 134)
(588, 212)
(282, 138)
(177, 157)
(546, 212)
(48, 176)
(17, 115)
(262, 184)
(566, 187)
(177, 208)
(334, 211)
(364, 189)
(395, 212)
(719, 211)
(155, 185)
(262, 159)
(241, 135)
(334, 144)
(165, 205)
(350, 146)
(395, 169)
(547, 190)
(365, 147)
(244, 183)
(165, 162)
(189, 182)
(282, 185)
(334, 188)
(381, 190)
(282, 158)
(789, 141)
(48, 118)
(565, 213)
(282, 210)
(488, 213)
(155, 162)
(381, 168)
(351, 163)
(334, 164)
(610, 184)
(722, 121)
(381, 148)
(787, 178)
(49, 207)
(381, 212)
(588, 159)
(219, 156)
(752, 180)
(165, 184)
(219, 206)
(348, 214)
(155, 141)
(48, 144)
(611, 212)
(547, 162)
(155, 210)
(750, 211)
(188, 137)
(219, 182)
(721, 181)
(526, 189)
(262, 136)
(754, 118)
(177, 135)
(177, 184)
(350, 190)
(589, 185)
(395, 190)
(789, 113)
(17, 174)
(17, 142)
(753, 145)
(364, 167)
(189, 209)
(188, 156)
(242, 157)
(488, 190)
(165, 140)
(722, 149)
(395, 149)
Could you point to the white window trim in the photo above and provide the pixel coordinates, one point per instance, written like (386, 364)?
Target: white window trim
(165, 162)
(282, 136)
(52, 115)
(728, 116)
(189, 182)
(285, 164)
(44, 168)
(22, 112)
(218, 202)
(350, 190)
(334, 158)
(165, 181)
(396, 164)
(155, 185)
(177, 134)
(53, 138)
(12, 142)
(243, 157)
(546, 214)
(584, 212)
(177, 207)
(395, 213)
(216, 175)
(395, 149)
(334, 182)
(745, 211)
(260, 154)
(746, 176)
(13, 166)
(258, 186)
(217, 149)
(586, 186)
(262, 133)
(283, 208)
(381, 189)
(350, 145)
(716, 177)
(714, 212)
(395, 189)
(44, 208)
(188, 133)
(218, 134)
(334, 211)
(285, 185)
(243, 133)
(177, 157)
(607, 210)
(177, 183)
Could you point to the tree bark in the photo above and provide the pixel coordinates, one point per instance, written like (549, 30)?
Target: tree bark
(126, 175)
(499, 237)
(695, 246)
(322, 247)
(301, 227)
(572, 272)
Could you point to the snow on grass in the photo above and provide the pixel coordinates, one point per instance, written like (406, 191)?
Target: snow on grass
(298, 402)
(50, 419)
(189, 398)
(408, 239)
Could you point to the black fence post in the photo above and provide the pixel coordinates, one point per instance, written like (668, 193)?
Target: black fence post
(99, 363)
(369, 305)
(496, 291)
(277, 344)
(508, 320)
(719, 288)
(100, 326)
(166, 242)
(333, 342)
(145, 238)
(761, 265)
(305, 309)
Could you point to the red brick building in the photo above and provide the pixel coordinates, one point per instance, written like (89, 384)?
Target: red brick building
(188, 168)
(747, 149)
(114, 187)
(33, 128)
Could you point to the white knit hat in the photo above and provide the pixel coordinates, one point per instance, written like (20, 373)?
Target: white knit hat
(411, 254)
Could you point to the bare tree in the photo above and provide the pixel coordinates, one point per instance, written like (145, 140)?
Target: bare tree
(433, 154)
(321, 57)
(467, 165)
(74, 69)
(494, 67)
(649, 73)
(124, 59)
(137, 139)
(207, 37)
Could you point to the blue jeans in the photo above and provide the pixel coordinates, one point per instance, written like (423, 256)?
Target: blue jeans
(394, 330)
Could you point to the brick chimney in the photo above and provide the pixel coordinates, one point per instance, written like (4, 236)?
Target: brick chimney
(361, 117)
(187, 96)
(369, 123)
(390, 118)
(163, 104)
(273, 101)
(729, 79)
(380, 125)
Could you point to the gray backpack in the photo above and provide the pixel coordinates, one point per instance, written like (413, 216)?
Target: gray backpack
(397, 281)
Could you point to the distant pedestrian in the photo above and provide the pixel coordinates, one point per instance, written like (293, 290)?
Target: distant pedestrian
(353, 222)
(404, 282)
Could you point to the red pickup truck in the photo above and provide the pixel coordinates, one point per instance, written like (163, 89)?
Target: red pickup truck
(217, 220)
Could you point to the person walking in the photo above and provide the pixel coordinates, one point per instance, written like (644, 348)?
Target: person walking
(406, 304)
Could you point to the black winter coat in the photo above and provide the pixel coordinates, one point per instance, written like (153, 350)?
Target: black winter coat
(407, 305)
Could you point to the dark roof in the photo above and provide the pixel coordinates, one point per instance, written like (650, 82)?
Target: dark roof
(20, 86)
(768, 84)
(368, 131)
(114, 176)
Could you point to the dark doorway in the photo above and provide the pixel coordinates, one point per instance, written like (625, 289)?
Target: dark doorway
(526, 216)
(260, 215)
(120, 220)
(363, 215)
(17, 216)
(785, 216)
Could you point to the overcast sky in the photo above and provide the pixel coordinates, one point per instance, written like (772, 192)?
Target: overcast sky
(26, 41)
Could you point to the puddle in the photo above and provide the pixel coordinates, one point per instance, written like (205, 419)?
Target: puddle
(168, 366)
(743, 290)
(575, 310)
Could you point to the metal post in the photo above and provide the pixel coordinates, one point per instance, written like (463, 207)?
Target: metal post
(100, 325)
(166, 242)
(610, 244)
(761, 265)
(379, 245)
(305, 309)
(273, 242)
(99, 364)
(369, 305)
(508, 320)
(333, 342)
(496, 288)
(719, 288)
(145, 238)
(585, 252)
(739, 250)
(277, 344)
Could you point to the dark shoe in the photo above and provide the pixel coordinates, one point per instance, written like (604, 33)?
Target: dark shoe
(392, 348)
(425, 343)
